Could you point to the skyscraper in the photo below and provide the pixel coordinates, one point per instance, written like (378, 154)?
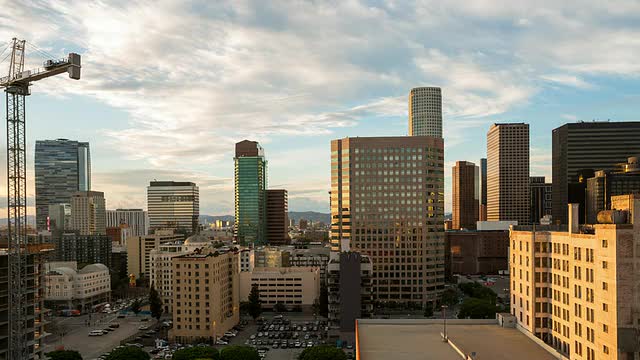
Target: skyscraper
(173, 205)
(137, 220)
(425, 112)
(508, 173)
(277, 217)
(592, 146)
(62, 167)
(250, 182)
(387, 201)
(88, 213)
(540, 193)
(59, 217)
(465, 195)
(483, 190)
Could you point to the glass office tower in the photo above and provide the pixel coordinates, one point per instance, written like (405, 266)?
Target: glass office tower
(250, 193)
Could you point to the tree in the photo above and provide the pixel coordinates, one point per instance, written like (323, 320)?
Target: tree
(322, 352)
(136, 306)
(128, 353)
(428, 310)
(474, 308)
(155, 304)
(324, 301)
(255, 306)
(198, 352)
(239, 353)
(450, 297)
(64, 355)
(279, 307)
(475, 290)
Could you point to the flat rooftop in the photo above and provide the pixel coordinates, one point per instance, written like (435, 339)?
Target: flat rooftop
(402, 340)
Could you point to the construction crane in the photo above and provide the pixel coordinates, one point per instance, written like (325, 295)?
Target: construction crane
(16, 85)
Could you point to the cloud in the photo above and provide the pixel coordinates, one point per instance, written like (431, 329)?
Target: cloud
(567, 80)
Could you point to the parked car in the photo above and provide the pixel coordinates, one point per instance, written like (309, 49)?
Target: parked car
(96, 333)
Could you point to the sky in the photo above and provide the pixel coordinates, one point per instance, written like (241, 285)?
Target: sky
(168, 87)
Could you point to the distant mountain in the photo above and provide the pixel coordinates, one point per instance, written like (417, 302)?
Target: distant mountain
(31, 220)
(310, 215)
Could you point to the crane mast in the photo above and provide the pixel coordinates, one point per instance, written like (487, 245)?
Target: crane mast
(16, 86)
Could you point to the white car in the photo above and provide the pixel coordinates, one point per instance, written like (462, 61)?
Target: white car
(96, 333)
(229, 334)
(222, 342)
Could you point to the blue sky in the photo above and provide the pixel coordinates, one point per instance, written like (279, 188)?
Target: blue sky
(169, 86)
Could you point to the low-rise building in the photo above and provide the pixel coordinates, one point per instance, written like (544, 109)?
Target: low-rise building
(247, 259)
(271, 257)
(206, 295)
(312, 257)
(476, 252)
(290, 286)
(66, 287)
(349, 289)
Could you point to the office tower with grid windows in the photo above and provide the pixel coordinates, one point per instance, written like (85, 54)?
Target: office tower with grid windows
(88, 215)
(425, 112)
(508, 173)
(62, 167)
(277, 217)
(173, 205)
(483, 190)
(136, 220)
(387, 202)
(250, 180)
(540, 194)
(465, 195)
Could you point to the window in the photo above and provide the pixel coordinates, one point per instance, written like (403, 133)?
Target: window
(605, 243)
(605, 265)
(605, 328)
(605, 307)
(605, 286)
(605, 349)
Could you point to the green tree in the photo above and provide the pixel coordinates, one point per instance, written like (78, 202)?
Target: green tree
(428, 310)
(476, 290)
(136, 306)
(324, 301)
(450, 297)
(155, 304)
(322, 352)
(64, 355)
(279, 307)
(239, 353)
(198, 352)
(474, 308)
(128, 353)
(255, 305)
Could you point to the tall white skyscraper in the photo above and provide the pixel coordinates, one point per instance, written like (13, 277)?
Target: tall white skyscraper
(173, 205)
(425, 112)
(137, 220)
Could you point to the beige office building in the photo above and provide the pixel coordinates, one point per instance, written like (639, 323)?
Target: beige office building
(139, 248)
(508, 173)
(161, 271)
(425, 112)
(290, 286)
(387, 202)
(578, 288)
(88, 214)
(205, 295)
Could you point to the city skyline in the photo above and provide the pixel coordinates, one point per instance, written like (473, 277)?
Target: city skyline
(307, 97)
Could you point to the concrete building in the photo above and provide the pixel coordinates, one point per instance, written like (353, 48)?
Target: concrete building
(118, 235)
(250, 180)
(139, 248)
(161, 271)
(540, 194)
(173, 205)
(83, 249)
(477, 252)
(465, 195)
(483, 190)
(349, 288)
(587, 145)
(290, 286)
(576, 287)
(62, 167)
(118, 266)
(625, 179)
(312, 257)
(206, 295)
(387, 201)
(70, 288)
(495, 225)
(508, 173)
(425, 112)
(59, 218)
(271, 257)
(277, 217)
(88, 215)
(136, 220)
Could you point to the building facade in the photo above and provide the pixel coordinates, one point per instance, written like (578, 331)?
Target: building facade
(70, 288)
(425, 112)
(625, 179)
(59, 217)
(540, 193)
(483, 190)
(387, 201)
(349, 289)
(250, 180)
(137, 220)
(139, 249)
(62, 167)
(508, 173)
(288, 286)
(83, 249)
(88, 216)
(577, 287)
(465, 195)
(587, 145)
(161, 271)
(206, 296)
(277, 217)
(173, 205)
(477, 252)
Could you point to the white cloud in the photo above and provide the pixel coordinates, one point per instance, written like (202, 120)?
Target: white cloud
(567, 80)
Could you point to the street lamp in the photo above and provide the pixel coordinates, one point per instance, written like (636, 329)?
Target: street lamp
(444, 322)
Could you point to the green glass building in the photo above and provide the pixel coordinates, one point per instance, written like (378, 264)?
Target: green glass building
(250, 179)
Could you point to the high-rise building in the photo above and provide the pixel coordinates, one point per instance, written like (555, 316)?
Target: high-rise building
(137, 220)
(576, 287)
(477, 252)
(161, 271)
(587, 146)
(173, 205)
(206, 295)
(139, 248)
(605, 184)
(483, 190)
(540, 193)
(277, 217)
(88, 215)
(425, 112)
(62, 167)
(250, 181)
(508, 173)
(349, 289)
(387, 202)
(59, 217)
(84, 249)
(465, 195)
